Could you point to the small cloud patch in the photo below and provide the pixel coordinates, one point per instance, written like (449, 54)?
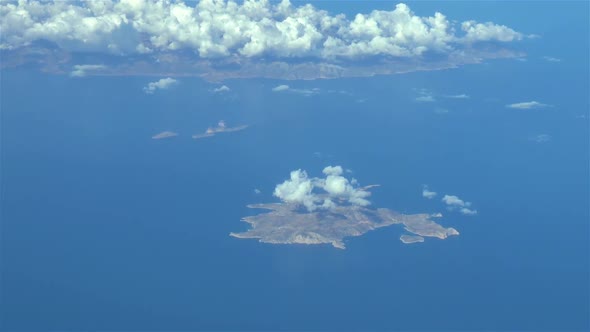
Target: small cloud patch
(455, 203)
(82, 70)
(551, 59)
(459, 96)
(222, 89)
(427, 193)
(162, 84)
(280, 88)
(303, 92)
(165, 134)
(527, 105)
(425, 96)
(542, 138)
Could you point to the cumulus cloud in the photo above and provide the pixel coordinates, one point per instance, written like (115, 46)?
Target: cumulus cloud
(339, 187)
(236, 31)
(221, 89)
(298, 190)
(427, 193)
(322, 193)
(162, 84)
(82, 70)
(489, 32)
(527, 105)
(454, 202)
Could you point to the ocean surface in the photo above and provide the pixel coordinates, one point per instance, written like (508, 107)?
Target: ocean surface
(104, 228)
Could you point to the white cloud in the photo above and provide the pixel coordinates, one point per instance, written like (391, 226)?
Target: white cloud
(225, 29)
(162, 84)
(280, 88)
(459, 96)
(81, 70)
(321, 193)
(425, 96)
(542, 138)
(297, 190)
(454, 202)
(476, 32)
(339, 187)
(221, 89)
(527, 105)
(333, 170)
(165, 134)
(303, 92)
(468, 212)
(551, 59)
(257, 191)
(425, 99)
(427, 193)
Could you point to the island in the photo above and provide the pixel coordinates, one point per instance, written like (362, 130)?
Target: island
(289, 224)
(165, 134)
(220, 128)
(407, 239)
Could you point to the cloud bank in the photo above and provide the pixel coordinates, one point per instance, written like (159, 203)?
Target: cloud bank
(245, 39)
(322, 193)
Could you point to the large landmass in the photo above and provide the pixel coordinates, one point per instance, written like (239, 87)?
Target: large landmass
(285, 223)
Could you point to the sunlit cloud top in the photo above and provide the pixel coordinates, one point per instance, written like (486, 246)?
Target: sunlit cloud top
(250, 30)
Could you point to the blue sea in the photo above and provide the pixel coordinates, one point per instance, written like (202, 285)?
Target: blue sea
(104, 228)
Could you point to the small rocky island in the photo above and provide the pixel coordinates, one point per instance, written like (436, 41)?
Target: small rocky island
(220, 128)
(288, 224)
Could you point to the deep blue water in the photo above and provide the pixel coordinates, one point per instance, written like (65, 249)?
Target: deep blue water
(104, 228)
